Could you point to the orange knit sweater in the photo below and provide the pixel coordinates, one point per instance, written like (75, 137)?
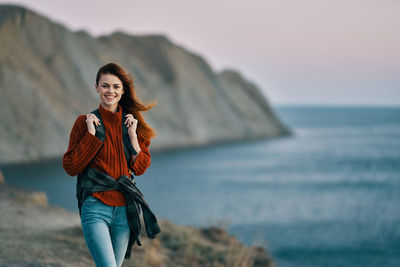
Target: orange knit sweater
(110, 157)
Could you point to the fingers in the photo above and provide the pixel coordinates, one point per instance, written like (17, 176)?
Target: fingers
(127, 116)
(97, 121)
(91, 117)
(129, 120)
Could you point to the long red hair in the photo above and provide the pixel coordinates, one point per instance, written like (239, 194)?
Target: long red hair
(130, 102)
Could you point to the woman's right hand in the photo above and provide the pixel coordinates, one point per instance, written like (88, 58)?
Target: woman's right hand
(91, 121)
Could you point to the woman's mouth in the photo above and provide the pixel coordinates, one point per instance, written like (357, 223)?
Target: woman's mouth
(110, 96)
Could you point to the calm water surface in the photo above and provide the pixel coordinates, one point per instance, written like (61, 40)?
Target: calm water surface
(327, 196)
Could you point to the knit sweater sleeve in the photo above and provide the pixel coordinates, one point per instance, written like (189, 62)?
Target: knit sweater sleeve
(143, 160)
(82, 147)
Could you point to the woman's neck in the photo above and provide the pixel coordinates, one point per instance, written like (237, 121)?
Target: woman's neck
(111, 108)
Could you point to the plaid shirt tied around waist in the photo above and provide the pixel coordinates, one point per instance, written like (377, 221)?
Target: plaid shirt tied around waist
(93, 180)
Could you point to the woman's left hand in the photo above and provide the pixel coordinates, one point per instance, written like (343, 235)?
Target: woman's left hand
(131, 123)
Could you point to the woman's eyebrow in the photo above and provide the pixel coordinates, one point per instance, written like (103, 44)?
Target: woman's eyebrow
(114, 83)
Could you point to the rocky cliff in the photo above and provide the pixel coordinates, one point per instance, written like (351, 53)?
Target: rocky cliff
(47, 75)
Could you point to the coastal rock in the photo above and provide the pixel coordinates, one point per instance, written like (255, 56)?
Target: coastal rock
(47, 76)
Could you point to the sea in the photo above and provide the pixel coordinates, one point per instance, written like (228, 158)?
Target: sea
(328, 195)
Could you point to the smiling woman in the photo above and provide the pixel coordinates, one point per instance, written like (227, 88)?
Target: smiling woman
(110, 89)
(106, 227)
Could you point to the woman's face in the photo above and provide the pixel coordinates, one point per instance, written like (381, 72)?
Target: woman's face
(110, 90)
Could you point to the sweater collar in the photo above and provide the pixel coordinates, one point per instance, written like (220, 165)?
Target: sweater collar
(110, 116)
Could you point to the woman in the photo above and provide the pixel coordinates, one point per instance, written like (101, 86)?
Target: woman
(104, 216)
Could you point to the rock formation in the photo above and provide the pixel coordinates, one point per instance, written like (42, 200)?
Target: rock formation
(47, 75)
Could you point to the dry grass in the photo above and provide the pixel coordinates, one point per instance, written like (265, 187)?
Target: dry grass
(35, 234)
(190, 246)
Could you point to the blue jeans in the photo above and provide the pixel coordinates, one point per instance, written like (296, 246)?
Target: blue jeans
(106, 231)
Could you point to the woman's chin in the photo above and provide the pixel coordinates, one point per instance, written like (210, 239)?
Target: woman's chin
(108, 102)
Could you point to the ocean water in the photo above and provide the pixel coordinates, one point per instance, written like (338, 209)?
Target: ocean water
(327, 196)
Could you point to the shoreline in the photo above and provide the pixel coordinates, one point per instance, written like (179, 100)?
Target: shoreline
(171, 149)
(34, 232)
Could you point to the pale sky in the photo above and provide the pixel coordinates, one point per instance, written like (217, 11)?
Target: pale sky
(298, 52)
